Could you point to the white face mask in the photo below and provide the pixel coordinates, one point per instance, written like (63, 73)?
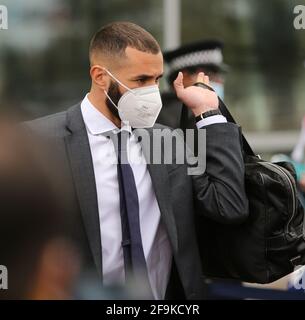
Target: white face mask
(139, 107)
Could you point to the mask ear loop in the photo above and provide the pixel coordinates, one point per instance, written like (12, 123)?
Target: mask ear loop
(108, 97)
(117, 80)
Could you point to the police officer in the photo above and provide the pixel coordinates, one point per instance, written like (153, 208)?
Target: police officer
(206, 56)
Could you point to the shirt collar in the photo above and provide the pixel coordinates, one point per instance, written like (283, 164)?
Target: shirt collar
(96, 122)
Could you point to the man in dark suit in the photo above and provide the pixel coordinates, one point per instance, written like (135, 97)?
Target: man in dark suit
(138, 218)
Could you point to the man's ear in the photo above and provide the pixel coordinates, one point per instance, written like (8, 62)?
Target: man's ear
(99, 77)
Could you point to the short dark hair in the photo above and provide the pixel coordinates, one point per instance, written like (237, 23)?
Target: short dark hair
(113, 39)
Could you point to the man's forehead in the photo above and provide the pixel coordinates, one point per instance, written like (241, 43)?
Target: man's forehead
(140, 61)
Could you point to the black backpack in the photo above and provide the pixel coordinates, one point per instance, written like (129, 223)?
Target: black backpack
(271, 243)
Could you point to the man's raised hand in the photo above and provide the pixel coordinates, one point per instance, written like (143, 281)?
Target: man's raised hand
(198, 99)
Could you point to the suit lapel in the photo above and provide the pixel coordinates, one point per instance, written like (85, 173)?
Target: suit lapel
(160, 181)
(83, 175)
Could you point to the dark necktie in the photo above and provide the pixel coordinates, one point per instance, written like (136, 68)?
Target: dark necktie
(134, 258)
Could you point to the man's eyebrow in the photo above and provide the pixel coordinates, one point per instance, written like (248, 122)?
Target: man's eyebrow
(147, 76)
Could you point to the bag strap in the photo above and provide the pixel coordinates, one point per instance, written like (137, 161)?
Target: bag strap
(225, 112)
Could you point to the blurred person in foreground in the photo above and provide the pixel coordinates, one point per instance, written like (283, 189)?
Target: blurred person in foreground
(297, 280)
(190, 59)
(298, 156)
(35, 247)
(136, 219)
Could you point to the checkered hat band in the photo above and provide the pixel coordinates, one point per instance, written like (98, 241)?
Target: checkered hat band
(197, 58)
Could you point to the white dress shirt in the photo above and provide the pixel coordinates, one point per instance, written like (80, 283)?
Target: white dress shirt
(156, 245)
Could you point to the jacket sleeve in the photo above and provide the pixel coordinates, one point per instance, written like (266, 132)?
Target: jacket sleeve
(220, 191)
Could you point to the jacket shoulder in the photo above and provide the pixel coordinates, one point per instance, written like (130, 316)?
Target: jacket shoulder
(51, 125)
